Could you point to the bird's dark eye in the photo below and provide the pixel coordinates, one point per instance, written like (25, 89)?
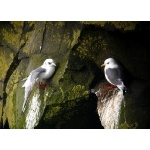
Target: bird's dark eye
(108, 63)
(49, 63)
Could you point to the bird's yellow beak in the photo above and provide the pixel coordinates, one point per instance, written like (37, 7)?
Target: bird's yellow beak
(102, 65)
(53, 64)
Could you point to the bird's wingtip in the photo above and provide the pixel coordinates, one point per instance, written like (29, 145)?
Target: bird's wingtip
(23, 110)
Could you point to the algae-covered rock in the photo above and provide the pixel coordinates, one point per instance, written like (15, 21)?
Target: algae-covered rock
(70, 84)
(11, 34)
(114, 25)
(79, 49)
(6, 58)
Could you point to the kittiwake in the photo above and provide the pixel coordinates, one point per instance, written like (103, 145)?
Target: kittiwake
(40, 74)
(114, 74)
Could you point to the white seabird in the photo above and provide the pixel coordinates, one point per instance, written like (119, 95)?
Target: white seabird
(40, 74)
(114, 74)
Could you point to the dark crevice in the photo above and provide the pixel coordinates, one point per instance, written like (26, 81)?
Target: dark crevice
(43, 37)
(10, 71)
(27, 28)
(23, 30)
(6, 125)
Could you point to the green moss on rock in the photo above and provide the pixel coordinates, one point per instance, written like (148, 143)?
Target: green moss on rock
(127, 126)
(125, 25)
(5, 61)
(92, 45)
(0, 109)
(12, 34)
(77, 92)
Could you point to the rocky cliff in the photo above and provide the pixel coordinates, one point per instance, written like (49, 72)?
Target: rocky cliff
(79, 49)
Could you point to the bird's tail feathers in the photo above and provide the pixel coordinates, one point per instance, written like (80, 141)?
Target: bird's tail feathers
(27, 82)
(26, 97)
(24, 79)
(24, 105)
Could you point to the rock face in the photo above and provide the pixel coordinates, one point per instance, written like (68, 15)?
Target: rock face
(109, 105)
(79, 49)
(118, 111)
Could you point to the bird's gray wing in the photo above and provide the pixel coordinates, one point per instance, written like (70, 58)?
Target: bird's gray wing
(30, 83)
(35, 73)
(114, 75)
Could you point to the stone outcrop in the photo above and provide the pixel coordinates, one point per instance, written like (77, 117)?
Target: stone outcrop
(79, 49)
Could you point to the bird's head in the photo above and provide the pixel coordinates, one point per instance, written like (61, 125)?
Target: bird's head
(109, 63)
(49, 62)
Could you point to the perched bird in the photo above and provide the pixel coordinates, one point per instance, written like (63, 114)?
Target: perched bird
(40, 74)
(114, 74)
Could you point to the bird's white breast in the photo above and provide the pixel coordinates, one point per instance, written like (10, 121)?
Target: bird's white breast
(49, 72)
(112, 66)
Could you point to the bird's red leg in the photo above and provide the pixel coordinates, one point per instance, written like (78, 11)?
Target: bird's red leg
(42, 85)
(111, 87)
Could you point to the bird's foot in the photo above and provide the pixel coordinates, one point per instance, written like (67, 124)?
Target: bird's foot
(111, 87)
(42, 85)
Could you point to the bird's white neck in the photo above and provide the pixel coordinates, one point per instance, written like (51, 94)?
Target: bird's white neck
(112, 66)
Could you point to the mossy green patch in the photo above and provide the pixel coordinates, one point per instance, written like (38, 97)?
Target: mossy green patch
(53, 112)
(92, 45)
(31, 23)
(12, 35)
(0, 109)
(76, 35)
(127, 126)
(125, 25)
(10, 110)
(11, 97)
(17, 25)
(5, 61)
(60, 70)
(77, 92)
(60, 23)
